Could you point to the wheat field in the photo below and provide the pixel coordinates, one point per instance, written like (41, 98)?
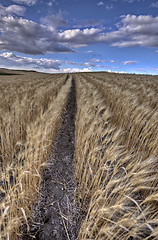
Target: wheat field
(116, 152)
(31, 107)
(117, 155)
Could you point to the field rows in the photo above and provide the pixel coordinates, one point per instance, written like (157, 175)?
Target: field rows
(116, 153)
(116, 157)
(29, 120)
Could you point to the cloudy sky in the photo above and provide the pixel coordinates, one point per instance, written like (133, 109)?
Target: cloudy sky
(79, 35)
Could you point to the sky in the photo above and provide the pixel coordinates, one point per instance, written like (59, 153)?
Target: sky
(79, 35)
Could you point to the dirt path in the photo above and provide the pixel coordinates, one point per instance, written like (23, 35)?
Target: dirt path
(56, 217)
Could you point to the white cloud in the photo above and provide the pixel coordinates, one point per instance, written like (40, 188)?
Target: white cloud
(71, 70)
(100, 4)
(27, 2)
(120, 72)
(25, 36)
(129, 62)
(8, 58)
(79, 38)
(154, 5)
(11, 10)
(68, 70)
(22, 35)
(75, 33)
(134, 31)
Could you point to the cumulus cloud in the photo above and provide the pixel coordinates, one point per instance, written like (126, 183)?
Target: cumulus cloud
(79, 38)
(129, 62)
(22, 35)
(12, 10)
(134, 31)
(66, 70)
(131, 31)
(10, 59)
(74, 33)
(25, 36)
(27, 2)
(71, 70)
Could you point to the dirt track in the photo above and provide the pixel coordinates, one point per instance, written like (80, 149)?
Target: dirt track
(55, 216)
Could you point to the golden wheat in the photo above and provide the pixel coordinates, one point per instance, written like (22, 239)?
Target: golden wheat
(116, 157)
(116, 154)
(29, 120)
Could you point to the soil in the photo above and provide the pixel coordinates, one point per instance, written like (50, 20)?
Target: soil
(56, 215)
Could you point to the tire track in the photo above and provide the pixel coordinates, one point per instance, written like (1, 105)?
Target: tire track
(55, 215)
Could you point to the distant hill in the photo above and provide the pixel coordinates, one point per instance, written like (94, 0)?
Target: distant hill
(4, 71)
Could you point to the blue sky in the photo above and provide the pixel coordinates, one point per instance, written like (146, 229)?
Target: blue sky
(79, 35)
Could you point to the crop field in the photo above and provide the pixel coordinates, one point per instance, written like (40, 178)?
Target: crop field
(30, 111)
(114, 194)
(116, 155)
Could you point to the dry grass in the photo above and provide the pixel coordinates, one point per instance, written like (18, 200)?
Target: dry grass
(116, 157)
(30, 110)
(116, 153)
(133, 103)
